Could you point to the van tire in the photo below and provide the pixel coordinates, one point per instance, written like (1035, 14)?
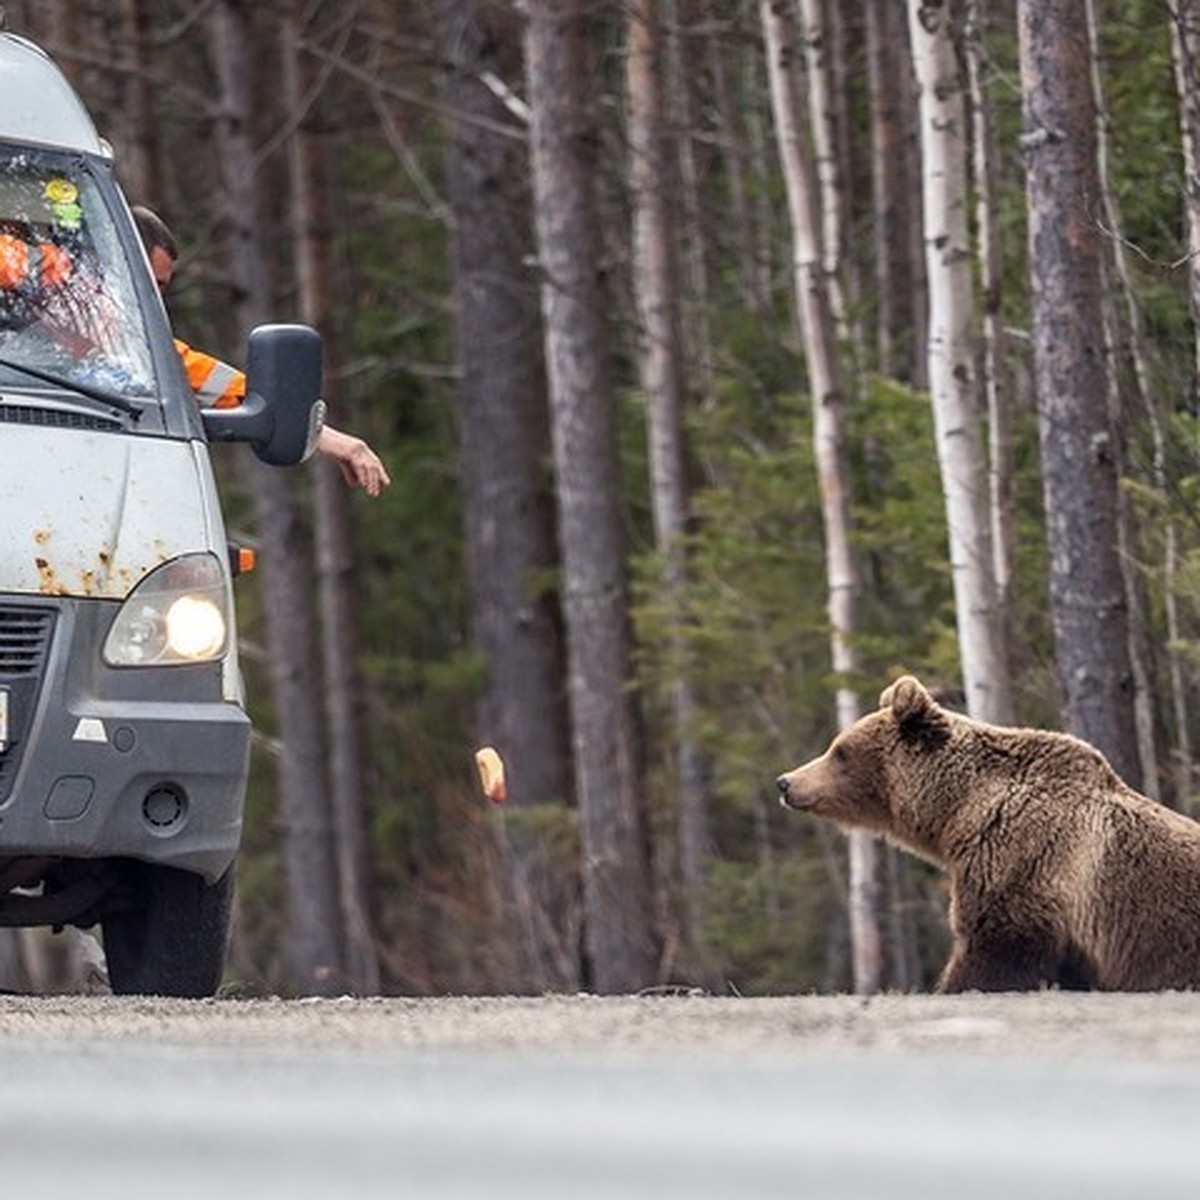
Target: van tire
(172, 937)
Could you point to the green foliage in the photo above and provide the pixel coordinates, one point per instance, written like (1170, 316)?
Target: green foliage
(1143, 128)
(772, 923)
(755, 629)
(907, 611)
(1169, 558)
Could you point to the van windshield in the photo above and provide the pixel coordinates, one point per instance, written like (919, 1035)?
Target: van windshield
(67, 301)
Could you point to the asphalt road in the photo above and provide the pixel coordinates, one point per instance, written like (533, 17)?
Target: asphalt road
(1016, 1097)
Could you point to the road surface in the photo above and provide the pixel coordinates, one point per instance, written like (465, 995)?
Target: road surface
(1020, 1097)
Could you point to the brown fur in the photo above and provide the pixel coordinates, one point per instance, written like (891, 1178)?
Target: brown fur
(1060, 874)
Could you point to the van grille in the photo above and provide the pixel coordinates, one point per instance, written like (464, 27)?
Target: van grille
(24, 645)
(31, 414)
(24, 636)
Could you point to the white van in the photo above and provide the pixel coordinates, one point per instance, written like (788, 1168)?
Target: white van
(124, 742)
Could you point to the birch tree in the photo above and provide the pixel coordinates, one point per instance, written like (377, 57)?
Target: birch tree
(825, 121)
(996, 384)
(829, 439)
(953, 380)
(1185, 49)
(1089, 611)
(619, 934)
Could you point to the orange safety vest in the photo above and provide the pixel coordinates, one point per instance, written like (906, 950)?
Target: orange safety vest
(32, 264)
(216, 383)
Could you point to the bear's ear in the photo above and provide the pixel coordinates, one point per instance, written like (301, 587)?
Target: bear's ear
(917, 713)
(907, 692)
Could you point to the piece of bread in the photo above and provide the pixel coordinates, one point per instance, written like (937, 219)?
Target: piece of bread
(491, 774)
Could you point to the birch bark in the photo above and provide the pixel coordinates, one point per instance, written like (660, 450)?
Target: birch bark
(953, 379)
(829, 437)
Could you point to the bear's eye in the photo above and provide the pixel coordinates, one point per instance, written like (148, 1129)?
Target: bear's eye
(839, 754)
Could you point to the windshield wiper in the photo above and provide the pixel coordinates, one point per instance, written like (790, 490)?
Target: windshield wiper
(112, 399)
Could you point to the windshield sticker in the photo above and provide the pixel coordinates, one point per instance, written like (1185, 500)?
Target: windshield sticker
(63, 195)
(61, 191)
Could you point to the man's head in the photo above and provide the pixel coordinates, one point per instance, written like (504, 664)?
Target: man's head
(161, 247)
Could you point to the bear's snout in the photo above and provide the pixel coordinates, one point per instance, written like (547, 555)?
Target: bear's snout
(805, 788)
(786, 796)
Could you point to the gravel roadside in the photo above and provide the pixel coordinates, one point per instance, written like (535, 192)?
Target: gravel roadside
(1048, 1025)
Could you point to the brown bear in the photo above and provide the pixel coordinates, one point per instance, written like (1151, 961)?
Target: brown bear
(1060, 874)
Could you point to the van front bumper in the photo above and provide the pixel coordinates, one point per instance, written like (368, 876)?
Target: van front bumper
(145, 763)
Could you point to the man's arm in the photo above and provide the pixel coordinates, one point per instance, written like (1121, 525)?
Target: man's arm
(218, 385)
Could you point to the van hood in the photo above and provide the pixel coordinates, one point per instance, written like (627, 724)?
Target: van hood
(90, 514)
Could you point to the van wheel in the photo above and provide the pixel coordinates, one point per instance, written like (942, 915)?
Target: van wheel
(172, 935)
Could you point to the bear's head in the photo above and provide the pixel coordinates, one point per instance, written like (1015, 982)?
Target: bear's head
(872, 770)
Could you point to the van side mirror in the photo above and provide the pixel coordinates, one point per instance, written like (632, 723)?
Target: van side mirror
(283, 412)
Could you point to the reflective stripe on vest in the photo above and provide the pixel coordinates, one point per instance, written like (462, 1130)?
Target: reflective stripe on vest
(216, 383)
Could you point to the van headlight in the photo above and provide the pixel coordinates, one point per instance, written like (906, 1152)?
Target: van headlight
(178, 614)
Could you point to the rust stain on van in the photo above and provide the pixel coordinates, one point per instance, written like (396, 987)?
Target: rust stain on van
(48, 581)
(41, 536)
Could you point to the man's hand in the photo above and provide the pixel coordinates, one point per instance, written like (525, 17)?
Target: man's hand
(360, 465)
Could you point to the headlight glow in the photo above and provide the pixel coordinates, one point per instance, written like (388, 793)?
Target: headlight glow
(195, 628)
(179, 613)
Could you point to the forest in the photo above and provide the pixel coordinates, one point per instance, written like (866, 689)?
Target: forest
(729, 358)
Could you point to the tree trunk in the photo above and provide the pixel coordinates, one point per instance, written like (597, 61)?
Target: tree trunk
(656, 285)
(313, 918)
(1185, 46)
(1126, 351)
(732, 119)
(826, 121)
(1186, 53)
(308, 185)
(697, 334)
(508, 503)
(895, 198)
(141, 176)
(1079, 465)
(619, 933)
(829, 438)
(994, 356)
(952, 375)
